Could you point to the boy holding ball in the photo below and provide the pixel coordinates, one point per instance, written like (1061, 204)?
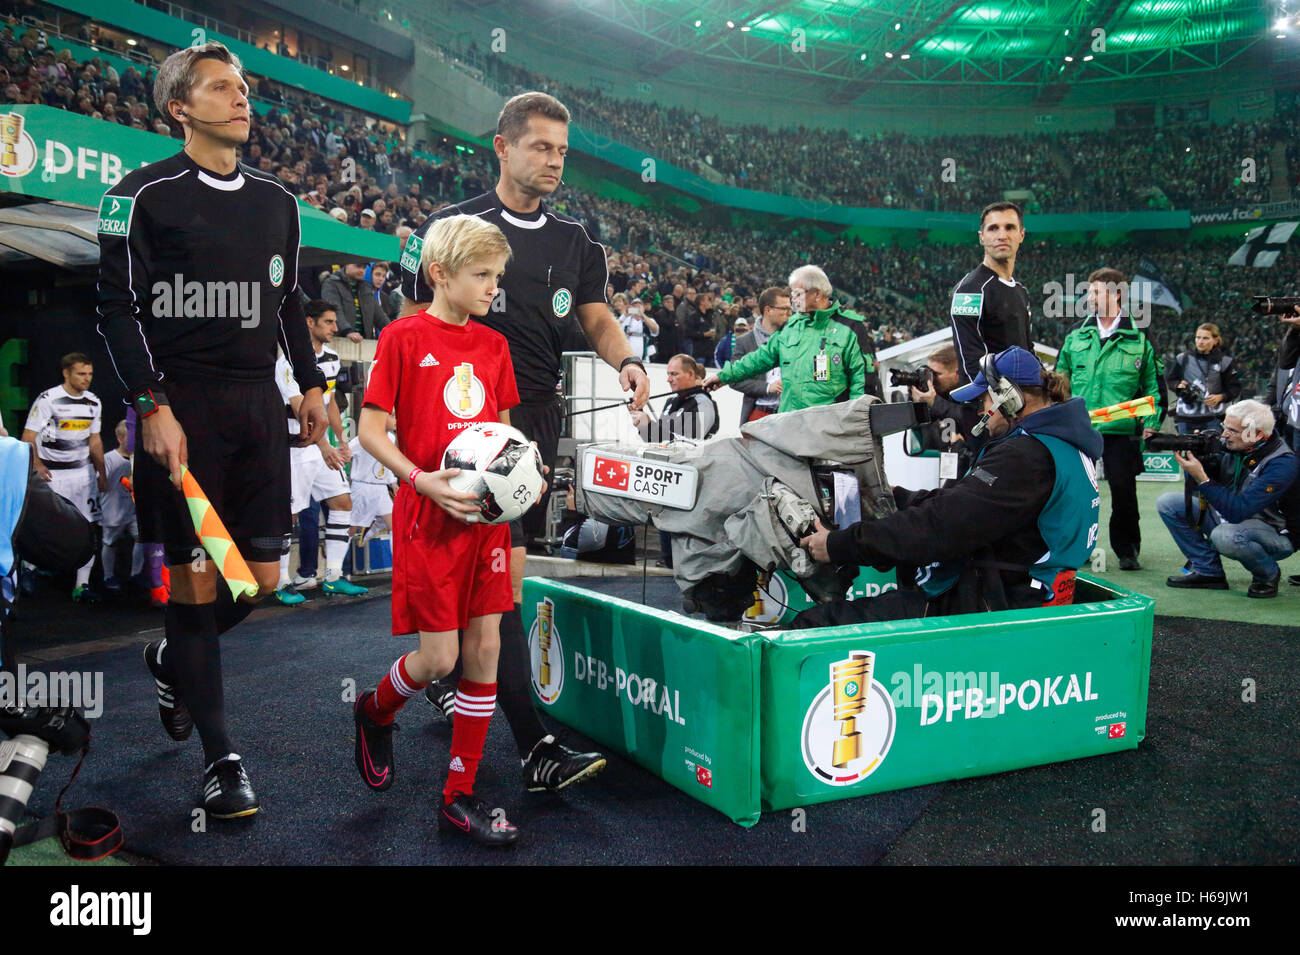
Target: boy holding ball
(439, 372)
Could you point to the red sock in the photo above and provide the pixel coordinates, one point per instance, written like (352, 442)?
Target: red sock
(394, 690)
(474, 705)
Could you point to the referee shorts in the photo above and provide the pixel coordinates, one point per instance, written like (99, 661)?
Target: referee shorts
(239, 454)
(541, 422)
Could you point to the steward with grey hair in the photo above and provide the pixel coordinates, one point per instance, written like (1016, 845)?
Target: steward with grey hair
(819, 351)
(1246, 506)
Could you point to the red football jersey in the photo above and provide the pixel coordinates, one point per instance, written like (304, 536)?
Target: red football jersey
(439, 379)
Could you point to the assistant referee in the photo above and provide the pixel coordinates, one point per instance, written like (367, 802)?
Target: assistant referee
(197, 283)
(990, 306)
(556, 273)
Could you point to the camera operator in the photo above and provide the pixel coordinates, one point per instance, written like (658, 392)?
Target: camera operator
(951, 422)
(1205, 380)
(1010, 534)
(1246, 506)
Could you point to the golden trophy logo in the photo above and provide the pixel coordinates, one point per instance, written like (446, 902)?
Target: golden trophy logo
(850, 680)
(770, 599)
(545, 615)
(11, 131)
(464, 378)
(464, 394)
(849, 726)
(17, 148)
(546, 654)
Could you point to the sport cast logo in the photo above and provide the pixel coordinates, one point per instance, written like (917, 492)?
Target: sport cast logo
(546, 654)
(850, 724)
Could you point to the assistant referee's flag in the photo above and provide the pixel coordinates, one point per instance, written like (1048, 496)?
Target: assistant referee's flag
(216, 539)
(1263, 245)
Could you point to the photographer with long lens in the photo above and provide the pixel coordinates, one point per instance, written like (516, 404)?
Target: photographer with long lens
(1205, 380)
(951, 421)
(1245, 506)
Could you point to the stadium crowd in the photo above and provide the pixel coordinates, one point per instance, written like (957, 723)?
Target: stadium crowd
(359, 171)
(1174, 166)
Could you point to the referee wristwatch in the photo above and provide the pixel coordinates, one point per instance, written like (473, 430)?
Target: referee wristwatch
(147, 402)
(631, 360)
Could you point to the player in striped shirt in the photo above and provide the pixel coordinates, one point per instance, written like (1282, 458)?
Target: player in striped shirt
(63, 426)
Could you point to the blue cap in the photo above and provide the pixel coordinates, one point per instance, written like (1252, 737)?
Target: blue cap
(1015, 363)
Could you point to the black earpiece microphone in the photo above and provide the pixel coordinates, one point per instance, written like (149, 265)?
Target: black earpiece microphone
(206, 122)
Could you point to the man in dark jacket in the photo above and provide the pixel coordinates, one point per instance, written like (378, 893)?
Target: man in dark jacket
(1010, 534)
(1247, 505)
(697, 327)
(353, 300)
(763, 391)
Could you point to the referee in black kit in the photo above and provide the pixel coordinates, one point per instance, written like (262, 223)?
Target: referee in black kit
(990, 308)
(198, 277)
(556, 273)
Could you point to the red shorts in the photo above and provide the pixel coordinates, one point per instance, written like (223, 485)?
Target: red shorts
(445, 572)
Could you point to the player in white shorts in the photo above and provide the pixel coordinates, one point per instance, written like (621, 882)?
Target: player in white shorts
(317, 471)
(63, 427)
(118, 512)
(371, 481)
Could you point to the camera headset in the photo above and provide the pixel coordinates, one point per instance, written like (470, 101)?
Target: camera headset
(1007, 396)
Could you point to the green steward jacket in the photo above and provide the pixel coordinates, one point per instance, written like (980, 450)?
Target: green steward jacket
(1121, 368)
(795, 348)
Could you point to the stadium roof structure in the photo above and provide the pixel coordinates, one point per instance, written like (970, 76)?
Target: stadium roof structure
(1035, 44)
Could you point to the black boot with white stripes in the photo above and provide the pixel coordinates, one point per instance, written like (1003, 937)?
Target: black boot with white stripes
(552, 765)
(227, 793)
(172, 711)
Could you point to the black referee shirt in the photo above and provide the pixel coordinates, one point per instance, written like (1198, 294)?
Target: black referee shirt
(197, 276)
(555, 267)
(989, 314)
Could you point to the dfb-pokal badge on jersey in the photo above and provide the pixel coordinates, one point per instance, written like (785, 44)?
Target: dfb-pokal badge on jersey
(276, 270)
(546, 654)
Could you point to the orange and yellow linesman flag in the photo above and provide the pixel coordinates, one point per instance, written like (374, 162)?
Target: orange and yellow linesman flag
(1137, 408)
(216, 539)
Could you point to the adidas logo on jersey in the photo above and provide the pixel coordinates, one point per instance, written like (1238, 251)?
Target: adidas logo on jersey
(428, 361)
(456, 765)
